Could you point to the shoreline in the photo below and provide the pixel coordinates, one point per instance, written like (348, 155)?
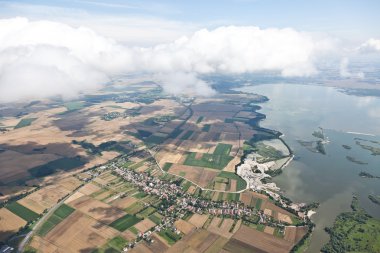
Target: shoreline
(309, 212)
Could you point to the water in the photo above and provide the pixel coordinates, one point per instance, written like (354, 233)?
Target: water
(297, 111)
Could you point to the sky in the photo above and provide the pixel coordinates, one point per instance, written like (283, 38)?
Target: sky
(66, 48)
(353, 20)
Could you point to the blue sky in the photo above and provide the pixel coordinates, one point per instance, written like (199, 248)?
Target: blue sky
(354, 20)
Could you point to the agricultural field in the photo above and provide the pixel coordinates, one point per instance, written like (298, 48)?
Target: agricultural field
(170, 237)
(76, 233)
(96, 209)
(44, 198)
(65, 163)
(125, 222)
(116, 244)
(25, 122)
(206, 140)
(213, 161)
(22, 211)
(194, 144)
(250, 240)
(58, 216)
(9, 223)
(73, 106)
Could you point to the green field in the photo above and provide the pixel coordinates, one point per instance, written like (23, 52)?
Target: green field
(233, 196)
(175, 133)
(206, 128)
(156, 218)
(208, 160)
(199, 120)
(155, 139)
(218, 160)
(59, 215)
(139, 164)
(169, 236)
(146, 212)
(65, 163)
(117, 243)
(135, 208)
(240, 184)
(73, 106)
(187, 135)
(258, 203)
(125, 222)
(25, 122)
(267, 152)
(222, 149)
(354, 231)
(134, 230)
(167, 166)
(22, 211)
(186, 185)
(140, 195)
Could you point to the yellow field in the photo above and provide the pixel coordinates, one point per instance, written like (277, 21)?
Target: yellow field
(9, 223)
(184, 226)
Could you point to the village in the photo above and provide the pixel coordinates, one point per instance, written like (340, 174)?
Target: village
(176, 203)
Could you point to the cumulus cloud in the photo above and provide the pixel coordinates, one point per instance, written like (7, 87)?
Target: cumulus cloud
(240, 50)
(184, 83)
(43, 59)
(371, 45)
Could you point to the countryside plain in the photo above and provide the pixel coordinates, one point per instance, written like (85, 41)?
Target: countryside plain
(134, 169)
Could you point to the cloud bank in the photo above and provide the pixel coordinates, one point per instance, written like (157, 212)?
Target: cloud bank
(371, 45)
(41, 59)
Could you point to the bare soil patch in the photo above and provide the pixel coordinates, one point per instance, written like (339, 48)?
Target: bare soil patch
(97, 209)
(9, 223)
(198, 220)
(184, 226)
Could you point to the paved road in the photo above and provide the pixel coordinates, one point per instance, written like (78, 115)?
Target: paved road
(25, 241)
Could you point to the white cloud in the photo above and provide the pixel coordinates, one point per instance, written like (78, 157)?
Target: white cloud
(43, 58)
(132, 30)
(346, 73)
(239, 50)
(371, 45)
(184, 83)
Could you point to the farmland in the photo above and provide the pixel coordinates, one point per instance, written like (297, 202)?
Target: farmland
(214, 161)
(9, 223)
(73, 106)
(22, 211)
(158, 177)
(58, 216)
(53, 166)
(25, 122)
(125, 222)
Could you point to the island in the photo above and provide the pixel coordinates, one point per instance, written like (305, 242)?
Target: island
(374, 199)
(354, 231)
(367, 175)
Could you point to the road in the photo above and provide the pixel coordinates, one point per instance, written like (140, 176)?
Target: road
(25, 241)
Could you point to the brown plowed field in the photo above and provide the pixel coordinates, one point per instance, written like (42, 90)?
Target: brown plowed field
(248, 239)
(97, 209)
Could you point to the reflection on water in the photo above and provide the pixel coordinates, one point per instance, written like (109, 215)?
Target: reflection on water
(331, 179)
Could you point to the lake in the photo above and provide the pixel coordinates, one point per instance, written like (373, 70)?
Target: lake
(332, 179)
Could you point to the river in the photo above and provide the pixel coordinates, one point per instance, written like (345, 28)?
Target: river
(297, 111)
